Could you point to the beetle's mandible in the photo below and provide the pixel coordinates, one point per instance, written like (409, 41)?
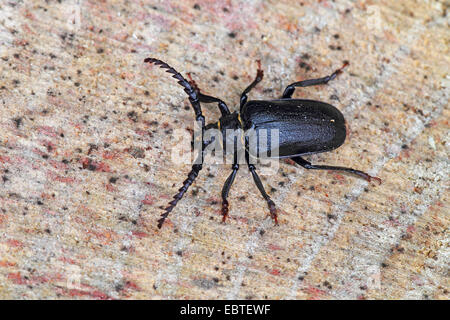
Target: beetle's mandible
(305, 127)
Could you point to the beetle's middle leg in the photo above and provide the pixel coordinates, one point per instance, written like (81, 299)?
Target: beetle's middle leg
(287, 94)
(307, 165)
(208, 99)
(257, 180)
(258, 79)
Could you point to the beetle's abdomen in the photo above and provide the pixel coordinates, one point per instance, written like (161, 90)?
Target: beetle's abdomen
(304, 126)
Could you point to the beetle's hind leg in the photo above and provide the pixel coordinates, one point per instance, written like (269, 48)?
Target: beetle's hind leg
(287, 94)
(209, 99)
(258, 79)
(307, 165)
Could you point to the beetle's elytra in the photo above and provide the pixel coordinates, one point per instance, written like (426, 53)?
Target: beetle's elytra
(304, 126)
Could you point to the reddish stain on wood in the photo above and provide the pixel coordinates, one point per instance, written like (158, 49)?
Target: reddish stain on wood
(148, 200)
(132, 285)
(95, 166)
(16, 277)
(48, 131)
(67, 260)
(4, 159)
(67, 180)
(54, 177)
(110, 154)
(139, 234)
(58, 165)
(4, 263)
(14, 243)
(274, 247)
(80, 293)
(110, 187)
(275, 272)
(315, 293)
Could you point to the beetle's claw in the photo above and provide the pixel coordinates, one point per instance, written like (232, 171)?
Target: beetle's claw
(339, 71)
(374, 178)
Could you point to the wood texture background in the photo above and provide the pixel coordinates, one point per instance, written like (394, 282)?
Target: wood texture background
(87, 131)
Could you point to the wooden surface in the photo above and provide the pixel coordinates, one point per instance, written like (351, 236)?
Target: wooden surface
(87, 131)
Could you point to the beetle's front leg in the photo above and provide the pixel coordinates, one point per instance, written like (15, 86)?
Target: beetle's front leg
(287, 94)
(258, 79)
(307, 165)
(226, 190)
(257, 180)
(209, 99)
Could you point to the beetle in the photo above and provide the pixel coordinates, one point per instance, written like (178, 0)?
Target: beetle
(304, 126)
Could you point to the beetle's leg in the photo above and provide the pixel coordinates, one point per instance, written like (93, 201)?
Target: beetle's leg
(287, 94)
(209, 99)
(270, 203)
(307, 165)
(193, 96)
(229, 181)
(226, 190)
(258, 78)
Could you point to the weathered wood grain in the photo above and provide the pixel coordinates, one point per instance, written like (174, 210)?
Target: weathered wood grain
(87, 131)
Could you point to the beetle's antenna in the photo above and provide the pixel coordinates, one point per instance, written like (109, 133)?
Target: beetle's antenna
(186, 184)
(194, 99)
(191, 92)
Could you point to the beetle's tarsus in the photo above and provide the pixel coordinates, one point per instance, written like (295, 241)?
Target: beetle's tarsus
(289, 91)
(375, 178)
(259, 72)
(340, 70)
(273, 211)
(307, 165)
(258, 78)
(224, 210)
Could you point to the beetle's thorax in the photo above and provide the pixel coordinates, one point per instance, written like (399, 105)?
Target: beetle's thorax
(231, 129)
(230, 121)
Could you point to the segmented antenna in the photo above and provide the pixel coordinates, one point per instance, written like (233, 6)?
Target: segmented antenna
(193, 98)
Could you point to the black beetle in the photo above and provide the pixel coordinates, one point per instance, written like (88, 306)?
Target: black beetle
(305, 127)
